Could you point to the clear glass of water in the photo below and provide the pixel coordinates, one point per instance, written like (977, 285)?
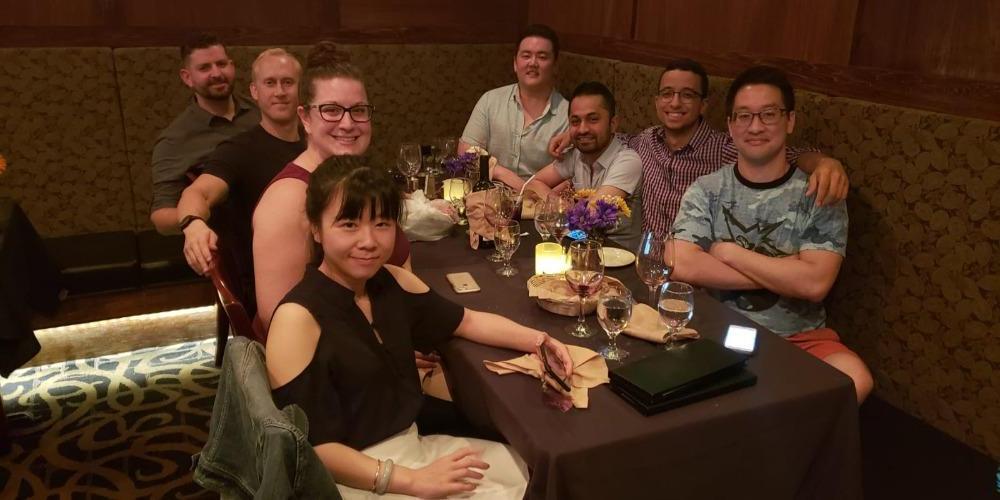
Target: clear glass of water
(614, 309)
(676, 306)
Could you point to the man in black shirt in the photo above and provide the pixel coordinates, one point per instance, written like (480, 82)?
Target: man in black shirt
(240, 168)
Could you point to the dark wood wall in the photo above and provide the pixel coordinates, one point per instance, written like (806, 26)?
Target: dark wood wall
(927, 54)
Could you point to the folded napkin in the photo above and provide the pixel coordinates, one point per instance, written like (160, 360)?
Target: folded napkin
(589, 370)
(477, 210)
(645, 324)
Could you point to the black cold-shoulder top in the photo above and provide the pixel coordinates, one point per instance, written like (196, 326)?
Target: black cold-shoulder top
(356, 391)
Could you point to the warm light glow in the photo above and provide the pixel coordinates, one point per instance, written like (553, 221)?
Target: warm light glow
(550, 259)
(128, 320)
(454, 189)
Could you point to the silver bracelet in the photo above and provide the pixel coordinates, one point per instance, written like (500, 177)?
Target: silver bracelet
(375, 479)
(383, 481)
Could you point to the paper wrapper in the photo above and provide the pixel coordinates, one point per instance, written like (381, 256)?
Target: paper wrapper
(645, 324)
(479, 212)
(589, 370)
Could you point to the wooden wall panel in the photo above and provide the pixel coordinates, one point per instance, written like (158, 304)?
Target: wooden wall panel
(470, 17)
(816, 31)
(959, 38)
(611, 18)
(54, 12)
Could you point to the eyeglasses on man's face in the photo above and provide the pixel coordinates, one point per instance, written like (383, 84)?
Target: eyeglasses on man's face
(334, 112)
(769, 116)
(687, 95)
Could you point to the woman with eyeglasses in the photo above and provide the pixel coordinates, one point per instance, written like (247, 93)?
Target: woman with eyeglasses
(341, 345)
(336, 116)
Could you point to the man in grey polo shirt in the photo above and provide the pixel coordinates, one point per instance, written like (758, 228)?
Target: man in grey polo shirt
(597, 161)
(214, 115)
(515, 122)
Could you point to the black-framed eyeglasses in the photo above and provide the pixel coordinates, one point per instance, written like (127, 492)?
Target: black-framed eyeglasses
(687, 95)
(769, 116)
(334, 112)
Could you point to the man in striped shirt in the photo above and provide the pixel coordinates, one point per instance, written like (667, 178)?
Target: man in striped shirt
(684, 147)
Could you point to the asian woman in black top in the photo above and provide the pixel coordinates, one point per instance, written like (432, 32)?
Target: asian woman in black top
(341, 346)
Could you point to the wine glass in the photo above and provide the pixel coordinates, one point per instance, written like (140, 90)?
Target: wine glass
(409, 163)
(460, 187)
(650, 262)
(676, 306)
(543, 220)
(501, 202)
(507, 238)
(614, 309)
(558, 207)
(586, 271)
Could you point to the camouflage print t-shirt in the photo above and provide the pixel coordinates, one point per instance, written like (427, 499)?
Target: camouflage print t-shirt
(775, 219)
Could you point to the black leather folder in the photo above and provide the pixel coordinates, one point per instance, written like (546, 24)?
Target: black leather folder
(696, 371)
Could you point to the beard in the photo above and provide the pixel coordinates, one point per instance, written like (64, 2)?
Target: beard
(207, 92)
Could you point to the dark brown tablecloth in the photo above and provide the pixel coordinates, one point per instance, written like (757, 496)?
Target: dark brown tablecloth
(793, 435)
(28, 280)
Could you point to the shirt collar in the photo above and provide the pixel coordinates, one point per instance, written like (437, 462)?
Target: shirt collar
(609, 153)
(240, 105)
(550, 109)
(343, 295)
(702, 132)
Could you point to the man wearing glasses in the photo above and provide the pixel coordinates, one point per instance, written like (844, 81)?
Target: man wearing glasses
(750, 233)
(684, 147)
(214, 115)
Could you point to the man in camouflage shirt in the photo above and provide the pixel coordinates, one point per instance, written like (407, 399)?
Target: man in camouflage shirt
(750, 233)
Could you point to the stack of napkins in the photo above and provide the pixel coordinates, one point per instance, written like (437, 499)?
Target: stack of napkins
(589, 370)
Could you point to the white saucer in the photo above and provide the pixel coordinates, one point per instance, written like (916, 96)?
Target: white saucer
(617, 257)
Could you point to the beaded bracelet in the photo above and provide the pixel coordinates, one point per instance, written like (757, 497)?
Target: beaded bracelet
(383, 482)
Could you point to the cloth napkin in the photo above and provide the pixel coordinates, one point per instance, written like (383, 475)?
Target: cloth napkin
(477, 209)
(589, 370)
(645, 324)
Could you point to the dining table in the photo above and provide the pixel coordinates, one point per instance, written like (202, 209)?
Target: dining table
(794, 434)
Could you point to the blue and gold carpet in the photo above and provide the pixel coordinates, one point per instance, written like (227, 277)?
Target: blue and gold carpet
(121, 426)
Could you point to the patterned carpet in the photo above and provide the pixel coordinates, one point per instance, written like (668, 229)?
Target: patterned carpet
(121, 426)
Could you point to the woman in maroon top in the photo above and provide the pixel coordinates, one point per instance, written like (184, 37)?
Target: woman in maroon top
(336, 116)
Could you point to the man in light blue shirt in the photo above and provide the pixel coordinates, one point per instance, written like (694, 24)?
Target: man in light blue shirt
(515, 122)
(597, 161)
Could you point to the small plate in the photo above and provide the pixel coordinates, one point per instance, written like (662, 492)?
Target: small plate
(617, 257)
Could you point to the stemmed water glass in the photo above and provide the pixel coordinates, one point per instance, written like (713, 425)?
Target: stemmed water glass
(586, 271)
(676, 306)
(502, 204)
(507, 238)
(651, 261)
(459, 190)
(558, 206)
(543, 220)
(614, 309)
(409, 163)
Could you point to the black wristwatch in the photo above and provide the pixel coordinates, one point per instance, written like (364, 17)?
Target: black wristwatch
(188, 219)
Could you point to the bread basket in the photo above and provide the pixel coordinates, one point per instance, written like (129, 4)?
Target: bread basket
(553, 293)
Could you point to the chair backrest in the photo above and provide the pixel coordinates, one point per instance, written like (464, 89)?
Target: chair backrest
(222, 278)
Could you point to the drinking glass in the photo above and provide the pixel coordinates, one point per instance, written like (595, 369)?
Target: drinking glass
(650, 262)
(543, 220)
(558, 207)
(502, 205)
(458, 199)
(507, 238)
(614, 309)
(586, 271)
(676, 306)
(409, 164)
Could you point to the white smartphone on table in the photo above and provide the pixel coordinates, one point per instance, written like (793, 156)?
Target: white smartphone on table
(741, 339)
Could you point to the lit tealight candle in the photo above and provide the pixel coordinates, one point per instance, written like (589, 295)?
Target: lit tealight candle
(550, 259)
(454, 189)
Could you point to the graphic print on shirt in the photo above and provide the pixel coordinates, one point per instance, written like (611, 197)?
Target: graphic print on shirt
(755, 237)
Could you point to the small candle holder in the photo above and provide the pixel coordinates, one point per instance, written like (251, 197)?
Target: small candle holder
(550, 259)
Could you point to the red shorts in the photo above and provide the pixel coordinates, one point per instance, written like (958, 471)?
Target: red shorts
(821, 342)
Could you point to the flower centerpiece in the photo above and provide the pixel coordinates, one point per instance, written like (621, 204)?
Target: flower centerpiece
(459, 166)
(596, 215)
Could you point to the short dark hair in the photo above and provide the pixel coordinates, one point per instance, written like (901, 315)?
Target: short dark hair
(690, 65)
(362, 187)
(762, 75)
(596, 88)
(541, 31)
(198, 41)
